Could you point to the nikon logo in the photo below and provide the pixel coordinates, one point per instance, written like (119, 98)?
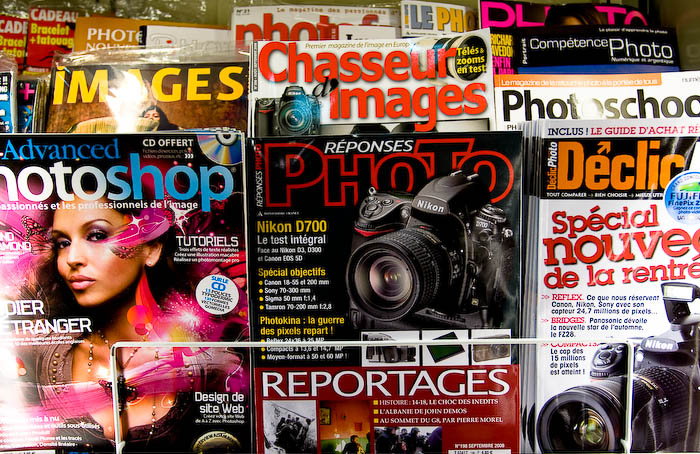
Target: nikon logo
(645, 168)
(659, 345)
(429, 206)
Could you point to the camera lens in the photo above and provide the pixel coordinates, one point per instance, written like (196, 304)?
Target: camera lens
(590, 430)
(295, 117)
(585, 418)
(589, 418)
(397, 273)
(390, 278)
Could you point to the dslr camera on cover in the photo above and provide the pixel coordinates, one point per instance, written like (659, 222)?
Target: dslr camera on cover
(665, 392)
(293, 114)
(439, 259)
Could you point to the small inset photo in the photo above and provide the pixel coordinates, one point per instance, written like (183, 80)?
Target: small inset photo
(381, 355)
(445, 354)
(408, 439)
(290, 426)
(495, 353)
(344, 426)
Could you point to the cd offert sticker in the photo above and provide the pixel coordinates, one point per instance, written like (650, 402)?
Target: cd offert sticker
(217, 294)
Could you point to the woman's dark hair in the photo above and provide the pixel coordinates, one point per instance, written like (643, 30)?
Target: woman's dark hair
(164, 124)
(585, 13)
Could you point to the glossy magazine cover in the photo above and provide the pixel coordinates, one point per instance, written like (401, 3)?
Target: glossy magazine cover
(385, 409)
(117, 238)
(141, 90)
(385, 237)
(423, 84)
(618, 244)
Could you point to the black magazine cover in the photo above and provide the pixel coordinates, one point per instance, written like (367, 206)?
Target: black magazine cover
(380, 237)
(595, 49)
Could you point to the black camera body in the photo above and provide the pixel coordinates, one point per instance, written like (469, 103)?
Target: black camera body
(294, 113)
(665, 396)
(437, 259)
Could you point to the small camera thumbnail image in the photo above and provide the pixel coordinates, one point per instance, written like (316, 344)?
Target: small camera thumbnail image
(376, 355)
(496, 354)
(293, 114)
(445, 354)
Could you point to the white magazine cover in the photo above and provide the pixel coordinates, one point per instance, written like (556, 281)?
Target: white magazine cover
(525, 97)
(618, 253)
(308, 22)
(403, 85)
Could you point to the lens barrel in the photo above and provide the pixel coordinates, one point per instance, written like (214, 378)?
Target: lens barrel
(583, 419)
(590, 417)
(398, 273)
(664, 410)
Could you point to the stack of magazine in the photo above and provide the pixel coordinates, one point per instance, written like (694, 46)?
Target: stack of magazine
(613, 255)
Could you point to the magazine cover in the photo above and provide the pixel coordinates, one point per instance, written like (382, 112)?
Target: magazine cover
(341, 87)
(617, 258)
(431, 410)
(206, 386)
(49, 31)
(421, 18)
(525, 97)
(100, 32)
(31, 103)
(514, 14)
(385, 237)
(595, 49)
(310, 22)
(8, 98)
(13, 37)
(93, 92)
(505, 18)
(109, 238)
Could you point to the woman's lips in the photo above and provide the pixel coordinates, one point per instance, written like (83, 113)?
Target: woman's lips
(80, 282)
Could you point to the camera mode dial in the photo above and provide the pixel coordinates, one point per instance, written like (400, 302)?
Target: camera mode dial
(609, 360)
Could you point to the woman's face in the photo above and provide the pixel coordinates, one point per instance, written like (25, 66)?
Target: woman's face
(152, 114)
(85, 260)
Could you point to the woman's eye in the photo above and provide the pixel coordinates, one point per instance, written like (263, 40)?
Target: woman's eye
(61, 243)
(97, 235)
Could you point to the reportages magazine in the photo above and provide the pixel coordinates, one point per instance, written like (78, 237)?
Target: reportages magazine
(108, 238)
(386, 409)
(617, 258)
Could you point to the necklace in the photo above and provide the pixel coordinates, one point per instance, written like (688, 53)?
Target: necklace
(153, 411)
(91, 355)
